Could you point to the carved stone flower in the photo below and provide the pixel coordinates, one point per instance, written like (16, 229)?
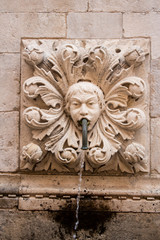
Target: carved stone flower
(136, 90)
(98, 157)
(134, 153)
(33, 54)
(32, 153)
(135, 157)
(68, 156)
(134, 56)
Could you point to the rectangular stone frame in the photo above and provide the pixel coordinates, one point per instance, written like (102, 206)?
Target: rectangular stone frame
(139, 193)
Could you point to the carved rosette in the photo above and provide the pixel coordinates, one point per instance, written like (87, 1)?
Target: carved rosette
(103, 81)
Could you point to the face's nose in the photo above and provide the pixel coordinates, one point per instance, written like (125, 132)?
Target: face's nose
(83, 110)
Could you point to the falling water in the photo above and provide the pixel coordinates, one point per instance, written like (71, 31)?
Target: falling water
(79, 193)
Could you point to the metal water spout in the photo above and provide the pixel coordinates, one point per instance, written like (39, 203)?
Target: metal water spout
(84, 134)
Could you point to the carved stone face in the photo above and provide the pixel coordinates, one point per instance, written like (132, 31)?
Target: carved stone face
(84, 100)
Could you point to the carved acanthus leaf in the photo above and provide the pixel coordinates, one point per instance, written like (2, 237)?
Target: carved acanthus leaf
(35, 86)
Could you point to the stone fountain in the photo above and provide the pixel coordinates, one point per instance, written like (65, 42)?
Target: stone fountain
(65, 83)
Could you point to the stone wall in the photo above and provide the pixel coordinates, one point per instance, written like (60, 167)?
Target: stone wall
(80, 19)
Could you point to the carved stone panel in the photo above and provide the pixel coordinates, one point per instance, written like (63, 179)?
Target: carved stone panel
(103, 82)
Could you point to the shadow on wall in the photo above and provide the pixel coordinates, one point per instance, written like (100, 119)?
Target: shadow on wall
(87, 220)
(92, 225)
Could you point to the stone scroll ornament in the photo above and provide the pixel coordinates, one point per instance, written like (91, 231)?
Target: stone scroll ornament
(73, 82)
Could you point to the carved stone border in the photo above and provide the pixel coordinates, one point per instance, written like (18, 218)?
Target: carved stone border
(40, 192)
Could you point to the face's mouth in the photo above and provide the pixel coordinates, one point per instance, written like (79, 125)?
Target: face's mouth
(79, 123)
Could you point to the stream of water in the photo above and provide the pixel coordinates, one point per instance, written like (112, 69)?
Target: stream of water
(79, 193)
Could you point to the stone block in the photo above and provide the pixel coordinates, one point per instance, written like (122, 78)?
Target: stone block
(9, 141)
(32, 203)
(155, 88)
(94, 25)
(14, 26)
(113, 205)
(8, 203)
(155, 150)
(146, 25)
(43, 6)
(124, 6)
(9, 81)
(138, 24)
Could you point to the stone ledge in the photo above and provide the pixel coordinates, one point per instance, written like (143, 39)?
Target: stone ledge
(9, 184)
(33, 192)
(57, 185)
(92, 185)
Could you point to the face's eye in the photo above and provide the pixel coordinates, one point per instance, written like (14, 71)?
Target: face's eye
(91, 103)
(75, 104)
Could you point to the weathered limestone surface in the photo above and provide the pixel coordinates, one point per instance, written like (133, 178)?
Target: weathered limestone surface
(143, 24)
(43, 6)
(50, 19)
(124, 6)
(9, 81)
(155, 88)
(14, 26)
(9, 141)
(94, 25)
(93, 225)
(155, 149)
